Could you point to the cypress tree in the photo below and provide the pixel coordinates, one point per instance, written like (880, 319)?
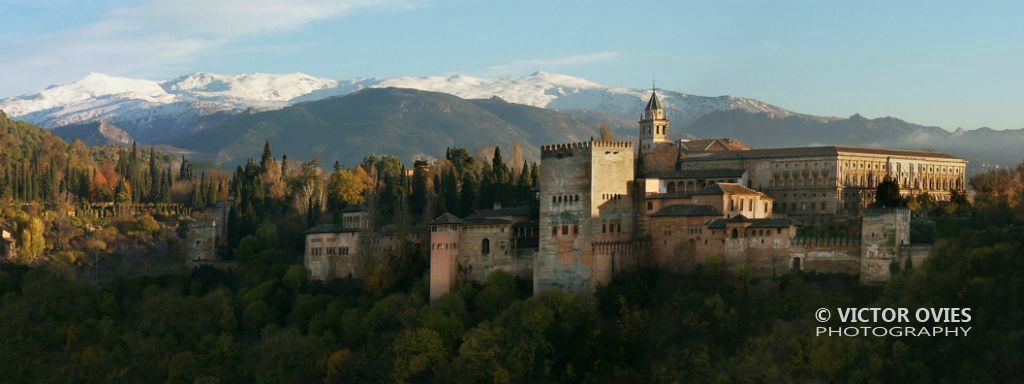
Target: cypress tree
(267, 158)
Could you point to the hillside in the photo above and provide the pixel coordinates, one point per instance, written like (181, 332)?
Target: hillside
(94, 133)
(402, 122)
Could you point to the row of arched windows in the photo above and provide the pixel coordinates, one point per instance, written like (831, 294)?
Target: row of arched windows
(565, 198)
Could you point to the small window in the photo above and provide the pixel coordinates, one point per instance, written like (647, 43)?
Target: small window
(485, 246)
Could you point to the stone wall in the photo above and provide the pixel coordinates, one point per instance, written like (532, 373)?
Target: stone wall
(576, 179)
(477, 264)
(842, 183)
(8, 246)
(332, 255)
(201, 240)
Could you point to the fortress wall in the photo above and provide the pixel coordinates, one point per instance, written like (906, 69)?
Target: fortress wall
(472, 259)
(576, 179)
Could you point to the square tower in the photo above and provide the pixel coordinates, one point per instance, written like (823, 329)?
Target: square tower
(576, 180)
(653, 125)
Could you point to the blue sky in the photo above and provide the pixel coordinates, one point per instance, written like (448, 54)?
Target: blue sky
(952, 64)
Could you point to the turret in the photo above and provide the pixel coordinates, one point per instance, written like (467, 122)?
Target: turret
(444, 255)
(653, 125)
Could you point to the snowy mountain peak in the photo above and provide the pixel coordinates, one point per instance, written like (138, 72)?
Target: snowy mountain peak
(563, 80)
(148, 109)
(256, 87)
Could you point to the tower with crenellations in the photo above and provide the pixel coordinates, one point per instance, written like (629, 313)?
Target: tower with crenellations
(577, 180)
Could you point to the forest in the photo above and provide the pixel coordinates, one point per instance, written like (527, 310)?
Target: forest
(264, 321)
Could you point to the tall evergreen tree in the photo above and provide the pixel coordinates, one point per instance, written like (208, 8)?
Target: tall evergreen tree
(267, 158)
(887, 194)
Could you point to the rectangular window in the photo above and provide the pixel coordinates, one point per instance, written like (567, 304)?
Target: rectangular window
(565, 229)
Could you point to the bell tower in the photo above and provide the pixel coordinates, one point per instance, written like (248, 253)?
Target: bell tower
(653, 125)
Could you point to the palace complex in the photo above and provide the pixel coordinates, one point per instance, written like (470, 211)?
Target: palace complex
(611, 206)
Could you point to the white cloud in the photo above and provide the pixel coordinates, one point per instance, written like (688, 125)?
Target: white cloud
(521, 66)
(162, 36)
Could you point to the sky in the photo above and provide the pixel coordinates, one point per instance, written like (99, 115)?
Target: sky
(945, 63)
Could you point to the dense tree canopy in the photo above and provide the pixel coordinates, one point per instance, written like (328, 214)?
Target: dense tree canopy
(263, 321)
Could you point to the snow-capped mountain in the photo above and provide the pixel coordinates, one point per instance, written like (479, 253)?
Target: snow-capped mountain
(154, 111)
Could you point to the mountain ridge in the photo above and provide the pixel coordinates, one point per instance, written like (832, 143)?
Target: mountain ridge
(155, 110)
(403, 122)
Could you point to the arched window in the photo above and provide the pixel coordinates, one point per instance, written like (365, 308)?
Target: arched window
(485, 247)
(735, 233)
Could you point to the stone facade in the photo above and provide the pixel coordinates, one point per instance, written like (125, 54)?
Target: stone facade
(331, 252)
(473, 247)
(201, 241)
(884, 232)
(837, 180)
(346, 250)
(8, 246)
(576, 180)
(607, 208)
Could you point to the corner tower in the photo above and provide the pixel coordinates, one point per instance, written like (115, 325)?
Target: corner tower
(653, 125)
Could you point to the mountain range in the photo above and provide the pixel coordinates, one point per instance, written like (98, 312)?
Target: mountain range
(157, 111)
(220, 116)
(397, 121)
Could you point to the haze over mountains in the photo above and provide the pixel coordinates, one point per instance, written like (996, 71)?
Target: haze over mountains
(189, 111)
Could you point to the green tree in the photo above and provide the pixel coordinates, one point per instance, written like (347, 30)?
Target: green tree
(419, 356)
(887, 194)
(33, 244)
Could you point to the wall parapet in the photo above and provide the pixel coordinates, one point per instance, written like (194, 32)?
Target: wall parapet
(580, 147)
(811, 241)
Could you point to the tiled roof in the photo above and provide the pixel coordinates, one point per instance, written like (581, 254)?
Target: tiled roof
(699, 173)
(446, 218)
(530, 223)
(354, 208)
(773, 223)
(329, 228)
(723, 188)
(754, 223)
(687, 210)
(770, 153)
(653, 103)
(503, 212)
(717, 224)
(485, 222)
(705, 145)
(670, 196)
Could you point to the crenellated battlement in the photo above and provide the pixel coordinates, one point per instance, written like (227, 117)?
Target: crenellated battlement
(581, 147)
